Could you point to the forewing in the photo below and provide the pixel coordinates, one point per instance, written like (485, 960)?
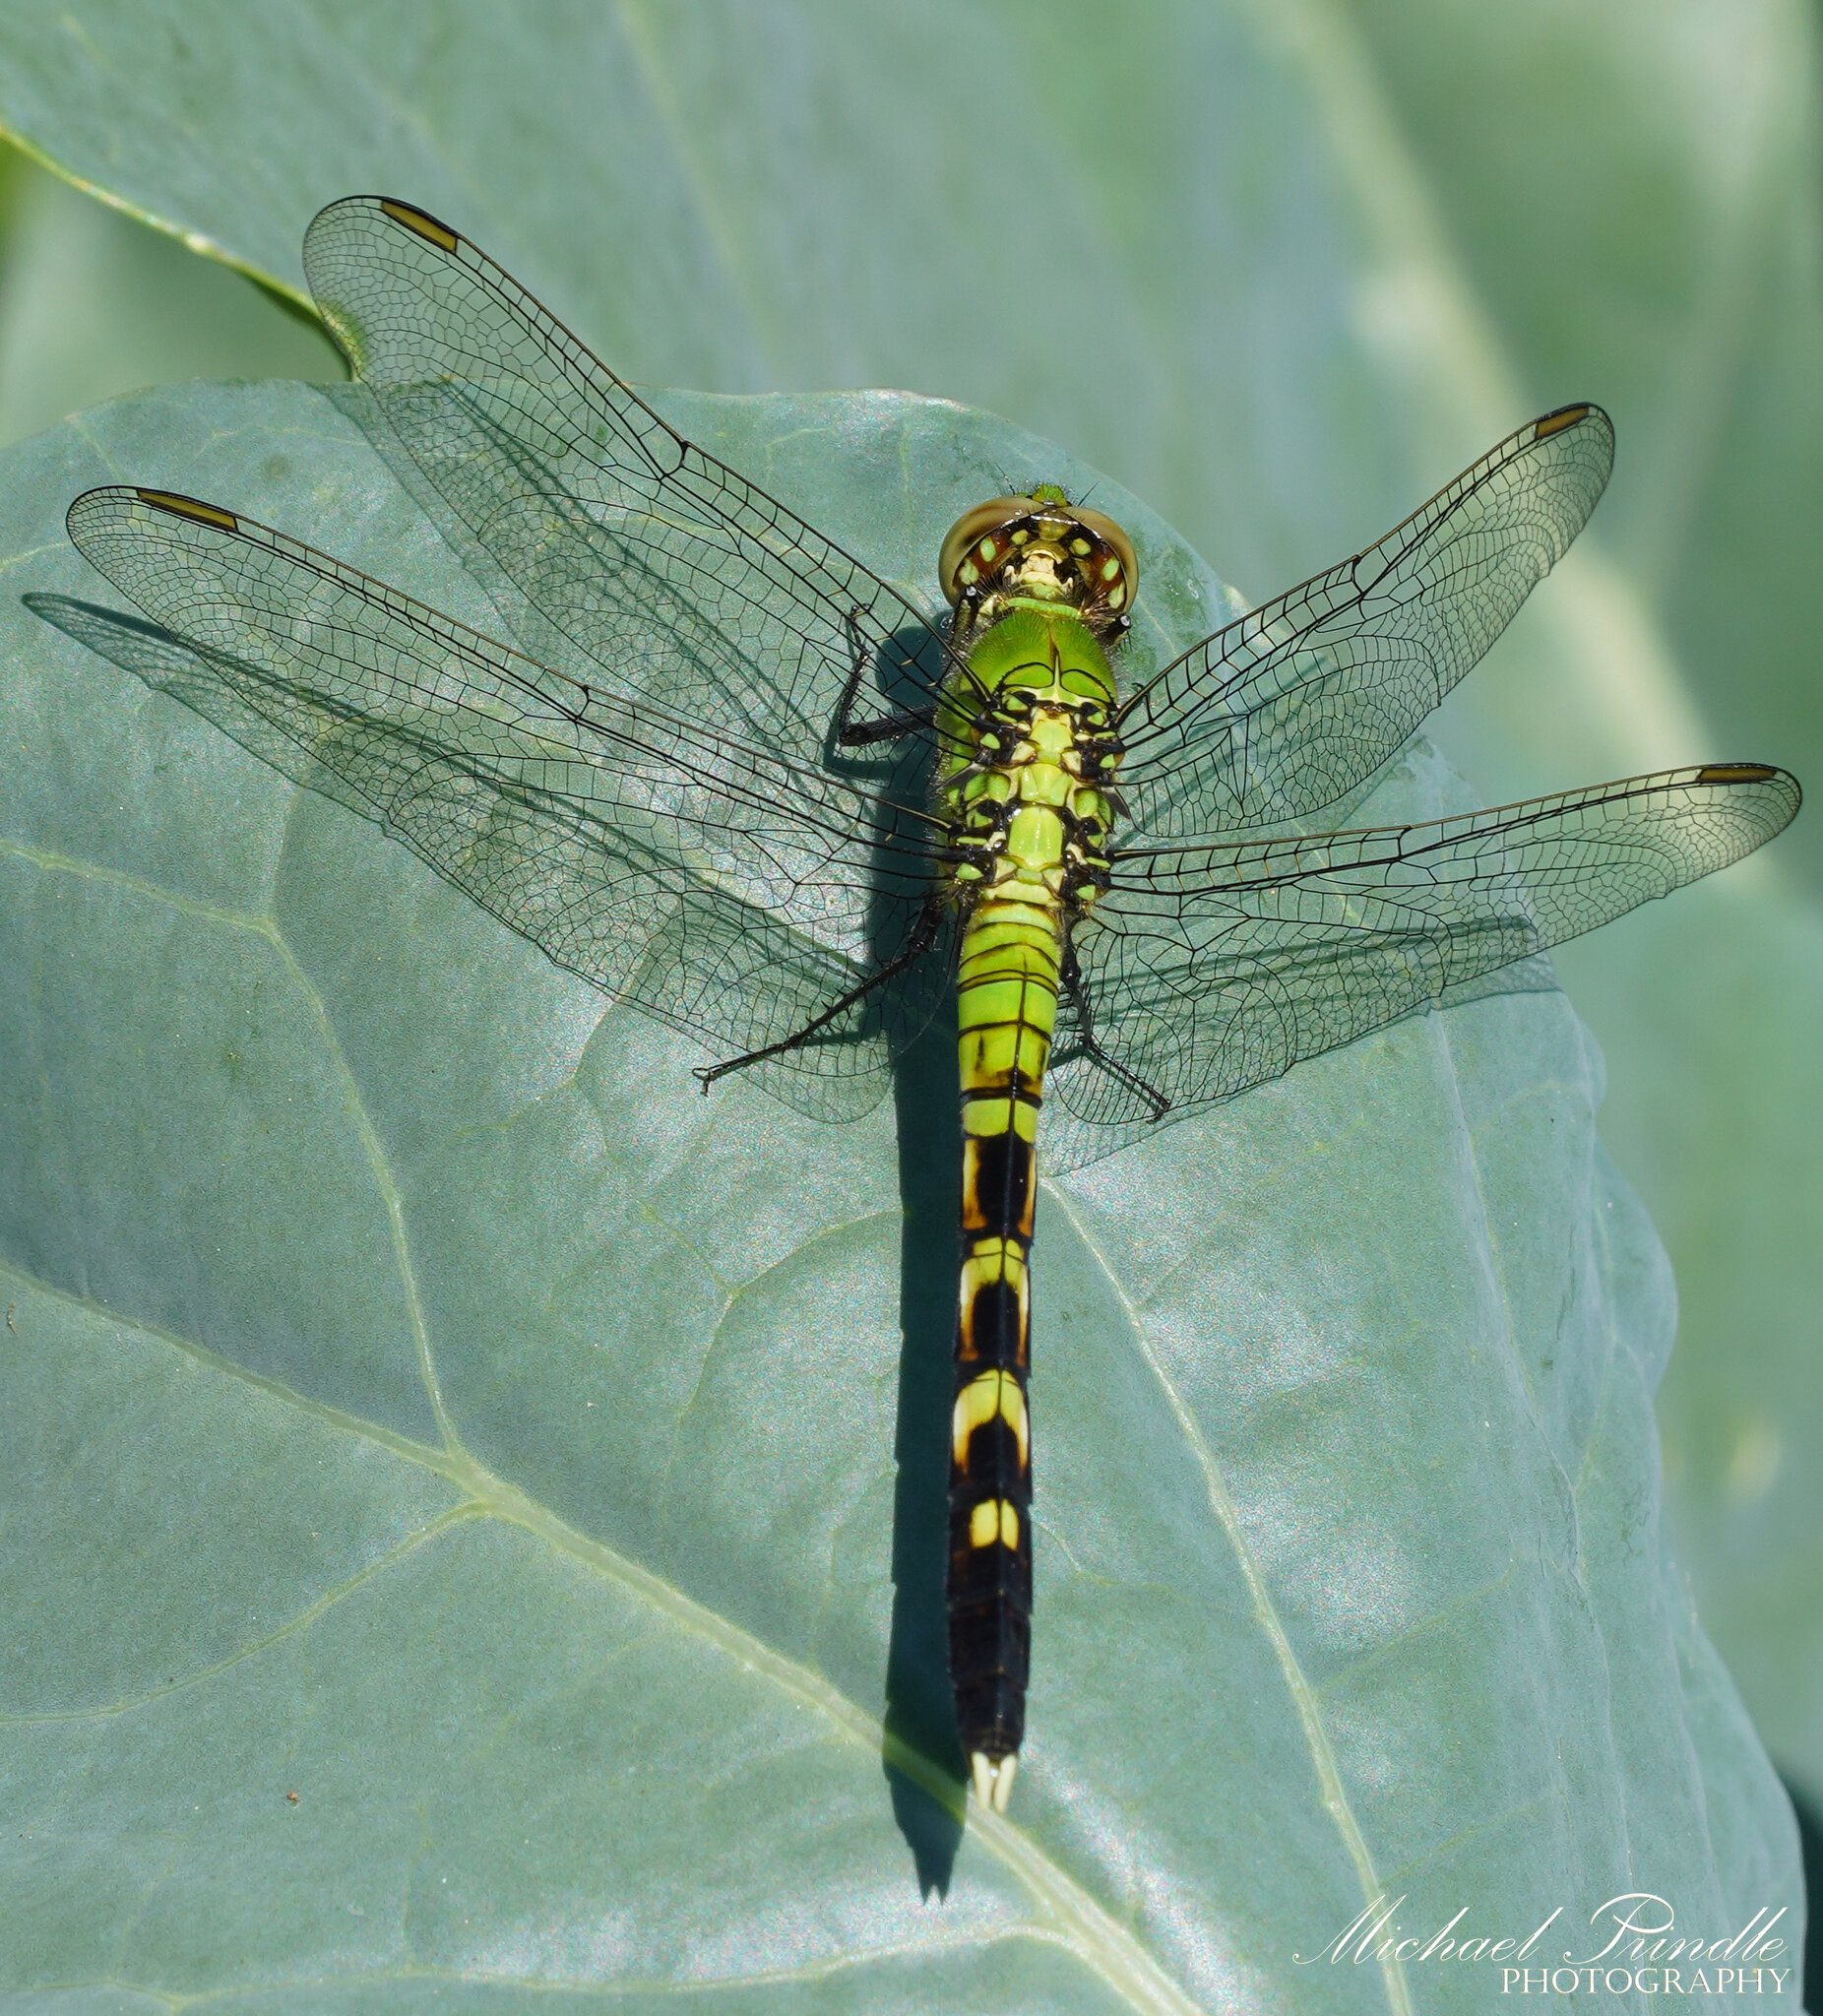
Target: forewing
(666, 574)
(1290, 707)
(721, 889)
(1211, 969)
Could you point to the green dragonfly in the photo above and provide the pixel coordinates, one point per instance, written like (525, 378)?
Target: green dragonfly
(744, 784)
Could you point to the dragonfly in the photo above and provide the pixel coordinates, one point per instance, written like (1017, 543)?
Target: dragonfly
(734, 778)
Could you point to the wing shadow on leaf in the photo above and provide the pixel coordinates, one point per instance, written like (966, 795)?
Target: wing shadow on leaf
(919, 1716)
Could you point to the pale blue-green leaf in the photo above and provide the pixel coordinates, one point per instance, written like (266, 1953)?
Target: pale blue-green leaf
(419, 1400)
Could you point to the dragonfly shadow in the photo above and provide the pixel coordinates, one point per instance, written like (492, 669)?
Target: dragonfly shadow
(920, 1715)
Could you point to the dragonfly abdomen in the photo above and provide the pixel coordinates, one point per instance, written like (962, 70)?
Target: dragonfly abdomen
(1006, 1005)
(1028, 809)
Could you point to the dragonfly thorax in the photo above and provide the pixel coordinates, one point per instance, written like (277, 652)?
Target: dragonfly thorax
(1038, 551)
(1031, 802)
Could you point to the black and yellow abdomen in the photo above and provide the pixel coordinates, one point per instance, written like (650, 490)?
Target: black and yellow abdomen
(1006, 1007)
(1029, 816)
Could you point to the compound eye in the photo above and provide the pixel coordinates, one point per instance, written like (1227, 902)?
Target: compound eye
(1103, 527)
(958, 567)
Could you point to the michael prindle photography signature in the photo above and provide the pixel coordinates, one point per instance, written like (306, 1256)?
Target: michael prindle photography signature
(1633, 1947)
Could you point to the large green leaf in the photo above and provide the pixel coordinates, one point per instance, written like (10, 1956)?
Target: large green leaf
(419, 1400)
(1281, 270)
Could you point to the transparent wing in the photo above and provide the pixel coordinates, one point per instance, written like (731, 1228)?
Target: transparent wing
(727, 891)
(1292, 705)
(1211, 969)
(674, 577)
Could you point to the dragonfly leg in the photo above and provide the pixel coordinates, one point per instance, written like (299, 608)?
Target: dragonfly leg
(1075, 992)
(887, 727)
(923, 936)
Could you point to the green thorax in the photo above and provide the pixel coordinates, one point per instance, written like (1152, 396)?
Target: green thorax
(1041, 591)
(1034, 653)
(1029, 750)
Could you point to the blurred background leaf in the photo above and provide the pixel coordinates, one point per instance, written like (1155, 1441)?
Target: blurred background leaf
(93, 304)
(1280, 269)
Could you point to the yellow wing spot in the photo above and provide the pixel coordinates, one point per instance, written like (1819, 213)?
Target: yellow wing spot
(993, 1394)
(188, 507)
(1554, 423)
(422, 223)
(993, 1519)
(1734, 773)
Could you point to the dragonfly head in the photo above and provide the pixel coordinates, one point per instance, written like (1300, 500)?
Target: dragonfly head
(1039, 548)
